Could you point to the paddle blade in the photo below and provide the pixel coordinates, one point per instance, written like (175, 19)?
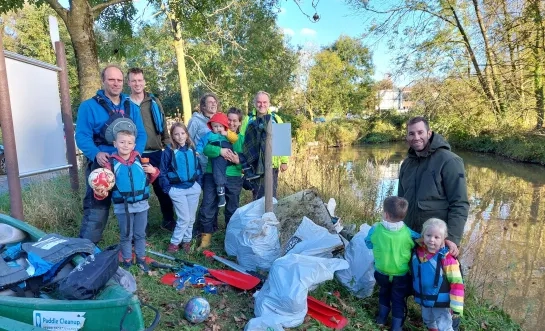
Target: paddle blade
(168, 279)
(235, 278)
(322, 307)
(336, 322)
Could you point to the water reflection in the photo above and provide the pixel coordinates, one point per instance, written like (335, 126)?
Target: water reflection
(503, 245)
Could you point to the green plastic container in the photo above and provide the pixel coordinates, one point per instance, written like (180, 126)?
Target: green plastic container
(113, 309)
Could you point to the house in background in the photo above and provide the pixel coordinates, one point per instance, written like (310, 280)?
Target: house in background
(397, 99)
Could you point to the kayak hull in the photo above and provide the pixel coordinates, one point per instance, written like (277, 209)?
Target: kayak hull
(114, 308)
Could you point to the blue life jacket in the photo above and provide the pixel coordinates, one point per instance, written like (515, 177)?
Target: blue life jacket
(100, 138)
(156, 115)
(131, 182)
(430, 284)
(184, 166)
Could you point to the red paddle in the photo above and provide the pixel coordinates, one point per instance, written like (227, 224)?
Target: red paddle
(325, 314)
(233, 278)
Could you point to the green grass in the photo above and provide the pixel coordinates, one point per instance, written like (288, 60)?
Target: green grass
(52, 207)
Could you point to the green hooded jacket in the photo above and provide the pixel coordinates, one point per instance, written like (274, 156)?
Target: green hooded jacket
(435, 186)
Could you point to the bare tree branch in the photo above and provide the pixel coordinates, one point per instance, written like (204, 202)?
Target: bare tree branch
(60, 10)
(221, 9)
(96, 10)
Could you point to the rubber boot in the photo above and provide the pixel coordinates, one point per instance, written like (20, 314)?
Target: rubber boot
(221, 196)
(382, 316)
(205, 240)
(397, 324)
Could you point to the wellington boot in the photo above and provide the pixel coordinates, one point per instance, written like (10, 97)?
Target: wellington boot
(397, 324)
(205, 241)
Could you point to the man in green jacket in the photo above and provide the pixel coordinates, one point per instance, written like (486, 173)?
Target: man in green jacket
(279, 163)
(432, 179)
(155, 124)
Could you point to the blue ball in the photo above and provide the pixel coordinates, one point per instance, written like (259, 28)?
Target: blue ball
(197, 310)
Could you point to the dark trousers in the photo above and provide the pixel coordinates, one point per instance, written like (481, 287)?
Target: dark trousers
(208, 213)
(258, 190)
(95, 212)
(219, 164)
(393, 291)
(167, 209)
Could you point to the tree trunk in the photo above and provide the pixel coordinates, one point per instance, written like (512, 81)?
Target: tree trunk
(537, 52)
(180, 57)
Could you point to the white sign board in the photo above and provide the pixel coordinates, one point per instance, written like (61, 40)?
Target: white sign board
(281, 145)
(36, 111)
(54, 30)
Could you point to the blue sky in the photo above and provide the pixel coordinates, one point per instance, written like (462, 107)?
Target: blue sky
(336, 18)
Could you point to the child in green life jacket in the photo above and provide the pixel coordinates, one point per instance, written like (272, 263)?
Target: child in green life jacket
(392, 242)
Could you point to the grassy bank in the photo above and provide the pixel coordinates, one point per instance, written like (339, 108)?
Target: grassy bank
(516, 144)
(50, 206)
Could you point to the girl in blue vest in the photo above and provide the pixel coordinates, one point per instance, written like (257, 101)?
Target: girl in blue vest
(130, 196)
(392, 241)
(179, 173)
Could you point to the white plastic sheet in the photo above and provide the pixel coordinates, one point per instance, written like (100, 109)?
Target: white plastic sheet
(283, 298)
(359, 277)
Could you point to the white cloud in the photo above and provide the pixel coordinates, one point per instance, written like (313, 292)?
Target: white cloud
(288, 32)
(308, 32)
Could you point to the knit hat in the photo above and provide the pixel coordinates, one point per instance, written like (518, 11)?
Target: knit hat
(220, 118)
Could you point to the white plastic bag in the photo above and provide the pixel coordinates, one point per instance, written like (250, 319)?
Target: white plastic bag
(314, 240)
(262, 324)
(260, 243)
(252, 211)
(359, 277)
(283, 297)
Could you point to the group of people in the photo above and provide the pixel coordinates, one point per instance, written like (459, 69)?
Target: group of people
(128, 134)
(416, 244)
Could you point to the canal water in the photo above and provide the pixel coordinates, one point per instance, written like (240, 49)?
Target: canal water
(503, 249)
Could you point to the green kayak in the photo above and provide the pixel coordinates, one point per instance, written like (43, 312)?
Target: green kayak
(113, 308)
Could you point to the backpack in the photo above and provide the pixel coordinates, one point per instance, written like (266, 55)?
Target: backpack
(184, 166)
(131, 182)
(121, 120)
(90, 276)
(156, 115)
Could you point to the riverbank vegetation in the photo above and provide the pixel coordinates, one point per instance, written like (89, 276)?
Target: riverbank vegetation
(48, 206)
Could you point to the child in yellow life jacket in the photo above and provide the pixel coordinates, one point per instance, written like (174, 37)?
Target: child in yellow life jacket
(392, 242)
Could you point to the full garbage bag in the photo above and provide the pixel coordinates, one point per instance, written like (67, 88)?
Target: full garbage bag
(359, 277)
(252, 236)
(262, 324)
(283, 297)
(312, 239)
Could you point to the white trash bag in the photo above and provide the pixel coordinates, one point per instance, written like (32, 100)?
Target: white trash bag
(314, 240)
(283, 297)
(359, 277)
(249, 212)
(262, 324)
(260, 243)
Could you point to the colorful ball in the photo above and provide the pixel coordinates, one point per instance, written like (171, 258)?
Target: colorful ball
(197, 310)
(101, 179)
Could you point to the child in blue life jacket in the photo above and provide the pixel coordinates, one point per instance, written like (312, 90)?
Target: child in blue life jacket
(392, 242)
(130, 196)
(220, 136)
(179, 173)
(437, 279)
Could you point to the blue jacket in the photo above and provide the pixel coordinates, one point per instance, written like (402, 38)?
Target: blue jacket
(166, 166)
(91, 118)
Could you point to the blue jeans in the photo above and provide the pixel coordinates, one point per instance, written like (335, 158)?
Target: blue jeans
(208, 214)
(393, 292)
(219, 164)
(95, 212)
(138, 222)
(165, 203)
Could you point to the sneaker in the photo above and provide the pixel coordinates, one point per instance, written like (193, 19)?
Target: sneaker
(126, 264)
(141, 263)
(173, 248)
(221, 200)
(186, 247)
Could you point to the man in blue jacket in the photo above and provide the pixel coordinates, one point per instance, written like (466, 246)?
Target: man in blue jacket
(92, 116)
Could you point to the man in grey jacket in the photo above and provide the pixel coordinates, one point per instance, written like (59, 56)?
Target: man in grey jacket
(155, 123)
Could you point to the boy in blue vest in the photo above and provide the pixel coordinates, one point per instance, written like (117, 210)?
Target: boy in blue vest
(392, 242)
(130, 194)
